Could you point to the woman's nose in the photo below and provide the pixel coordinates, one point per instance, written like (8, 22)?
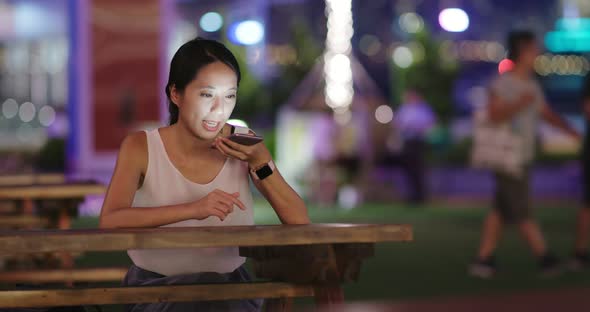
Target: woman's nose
(217, 106)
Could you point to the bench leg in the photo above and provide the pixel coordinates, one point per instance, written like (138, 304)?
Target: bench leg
(327, 297)
(278, 304)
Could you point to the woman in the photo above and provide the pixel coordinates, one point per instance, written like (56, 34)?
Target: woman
(186, 174)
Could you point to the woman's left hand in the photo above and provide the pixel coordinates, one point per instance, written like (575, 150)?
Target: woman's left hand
(255, 155)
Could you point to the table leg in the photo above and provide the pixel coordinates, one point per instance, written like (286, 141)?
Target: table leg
(64, 223)
(278, 304)
(328, 297)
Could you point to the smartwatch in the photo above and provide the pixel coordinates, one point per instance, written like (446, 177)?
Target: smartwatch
(263, 171)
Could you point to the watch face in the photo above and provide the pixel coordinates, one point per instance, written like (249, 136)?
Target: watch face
(263, 172)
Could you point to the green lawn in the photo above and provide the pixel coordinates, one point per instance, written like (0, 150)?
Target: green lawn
(446, 239)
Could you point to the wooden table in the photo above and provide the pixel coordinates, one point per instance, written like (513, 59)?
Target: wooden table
(56, 202)
(300, 260)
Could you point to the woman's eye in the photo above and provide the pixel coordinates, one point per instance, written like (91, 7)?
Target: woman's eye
(231, 96)
(207, 95)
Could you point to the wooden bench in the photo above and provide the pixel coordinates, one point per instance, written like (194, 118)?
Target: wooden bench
(299, 260)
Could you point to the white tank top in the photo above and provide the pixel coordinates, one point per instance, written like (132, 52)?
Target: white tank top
(164, 185)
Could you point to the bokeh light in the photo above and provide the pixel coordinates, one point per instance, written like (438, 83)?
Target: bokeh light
(370, 45)
(505, 66)
(46, 116)
(384, 114)
(247, 32)
(27, 112)
(9, 108)
(402, 57)
(453, 20)
(211, 21)
(411, 22)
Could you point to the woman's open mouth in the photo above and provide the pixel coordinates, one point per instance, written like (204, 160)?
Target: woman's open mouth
(212, 126)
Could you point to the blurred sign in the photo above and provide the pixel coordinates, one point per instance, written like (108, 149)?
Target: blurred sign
(124, 64)
(570, 35)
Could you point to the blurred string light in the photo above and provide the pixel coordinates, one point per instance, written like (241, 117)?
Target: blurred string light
(248, 32)
(453, 20)
(550, 64)
(27, 112)
(46, 116)
(472, 51)
(211, 22)
(411, 22)
(9, 108)
(505, 65)
(402, 57)
(384, 114)
(339, 90)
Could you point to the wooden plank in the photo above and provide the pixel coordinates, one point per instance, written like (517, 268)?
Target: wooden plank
(22, 221)
(51, 191)
(14, 242)
(169, 293)
(64, 275)
(28, 179)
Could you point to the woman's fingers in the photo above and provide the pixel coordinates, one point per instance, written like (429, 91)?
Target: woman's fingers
(226, 150)
(233, 200)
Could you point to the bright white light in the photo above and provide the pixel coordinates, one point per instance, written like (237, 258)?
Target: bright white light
(237, 122)
(338, 95)
(402, 57)
(46, 116)
(337, 67)
(211, 22)
(27, 112)
(411, 22)
(249, 32)
(384, 114)
(453, 20)
(9, 108)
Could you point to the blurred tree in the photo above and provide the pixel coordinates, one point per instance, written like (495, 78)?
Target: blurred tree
(431, 74)
(259, 99)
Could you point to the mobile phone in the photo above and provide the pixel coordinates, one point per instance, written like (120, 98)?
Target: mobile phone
(245, 139)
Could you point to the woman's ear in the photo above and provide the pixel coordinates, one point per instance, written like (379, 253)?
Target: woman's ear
(175, 95)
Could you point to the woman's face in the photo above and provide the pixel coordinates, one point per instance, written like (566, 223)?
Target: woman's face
(208, 100)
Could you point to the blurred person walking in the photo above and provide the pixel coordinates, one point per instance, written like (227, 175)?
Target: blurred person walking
(581, 259)
(413, 121)
(516, 99)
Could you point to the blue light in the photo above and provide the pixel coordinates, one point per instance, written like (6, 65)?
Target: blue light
(211, 22)
(247, 32)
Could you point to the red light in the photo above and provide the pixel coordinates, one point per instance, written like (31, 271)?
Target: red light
(505, 65)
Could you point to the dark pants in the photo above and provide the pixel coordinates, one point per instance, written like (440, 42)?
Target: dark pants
(512, 197)
(414, 164)
(137, 276)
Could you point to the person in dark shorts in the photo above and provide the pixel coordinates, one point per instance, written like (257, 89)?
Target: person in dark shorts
(581, 259)
(517, 99)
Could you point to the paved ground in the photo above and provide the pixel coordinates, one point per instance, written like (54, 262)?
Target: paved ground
(569, 300)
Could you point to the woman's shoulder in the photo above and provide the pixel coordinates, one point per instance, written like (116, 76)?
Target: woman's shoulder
(134, 148)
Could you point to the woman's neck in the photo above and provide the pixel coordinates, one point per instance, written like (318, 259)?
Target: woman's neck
(186, 141)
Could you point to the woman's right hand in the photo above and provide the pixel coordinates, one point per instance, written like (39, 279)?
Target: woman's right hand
(217, 203)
